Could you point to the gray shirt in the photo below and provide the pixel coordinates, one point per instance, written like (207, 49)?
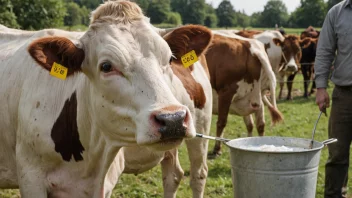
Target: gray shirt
(335, 40)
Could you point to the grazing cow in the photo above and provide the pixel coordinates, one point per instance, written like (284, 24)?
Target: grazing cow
(195, 80)
(310, 32)
(309, 47)
(59, 138)
(240, 74)
(284, 55)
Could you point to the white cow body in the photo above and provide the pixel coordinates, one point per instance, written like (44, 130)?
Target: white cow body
(106, 108)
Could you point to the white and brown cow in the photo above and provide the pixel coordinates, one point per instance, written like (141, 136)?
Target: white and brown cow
(240, 74)
(284, 54)
(59, 138)
(195, 80)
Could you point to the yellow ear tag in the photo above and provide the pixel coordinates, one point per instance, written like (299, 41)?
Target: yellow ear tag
(189, 59)
(58, 71)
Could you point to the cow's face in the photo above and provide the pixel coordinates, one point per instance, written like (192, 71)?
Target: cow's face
(291, 53)
(124, 60)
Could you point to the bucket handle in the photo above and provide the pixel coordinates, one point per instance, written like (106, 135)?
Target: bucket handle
(329, 141)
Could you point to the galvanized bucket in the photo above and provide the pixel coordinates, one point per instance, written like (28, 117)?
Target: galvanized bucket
(274, 174)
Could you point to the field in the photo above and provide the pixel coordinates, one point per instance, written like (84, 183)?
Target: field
(300, 115)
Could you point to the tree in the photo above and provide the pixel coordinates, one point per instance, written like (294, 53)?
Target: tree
(74, 14)
(255, 19)
(211, 20)
(173, 18)
(310, 12)
(275, 12)
(143, 4)
(331, 3)
(158, 10)
(39, 14)
(226, 14)
(90, 4)
(242, 19)
(192, 11)
(7, 17)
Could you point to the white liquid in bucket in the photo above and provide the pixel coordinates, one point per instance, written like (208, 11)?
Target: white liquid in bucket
(274, 148)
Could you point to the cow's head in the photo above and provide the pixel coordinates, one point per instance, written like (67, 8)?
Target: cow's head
(124, 60)
(290, 53)
(309, 48)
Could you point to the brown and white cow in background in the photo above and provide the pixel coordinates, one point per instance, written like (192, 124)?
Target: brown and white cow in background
(284, 55)
(309, 48)
(59, 137)
(240, 74)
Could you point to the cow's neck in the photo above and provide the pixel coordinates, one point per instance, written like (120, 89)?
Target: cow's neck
(99, 153)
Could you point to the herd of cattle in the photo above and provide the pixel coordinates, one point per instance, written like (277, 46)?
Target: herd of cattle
(128, 102)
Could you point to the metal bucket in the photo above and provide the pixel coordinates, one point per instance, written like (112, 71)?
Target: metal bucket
(274, 174)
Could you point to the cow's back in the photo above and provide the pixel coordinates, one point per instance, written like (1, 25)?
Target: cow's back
(227, 60)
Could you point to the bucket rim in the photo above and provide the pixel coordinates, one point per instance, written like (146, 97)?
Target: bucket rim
(318, 148)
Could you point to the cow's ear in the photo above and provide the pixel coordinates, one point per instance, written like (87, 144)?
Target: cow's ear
(187, 38)
(50, 50)
(277, 42)
(305, 42)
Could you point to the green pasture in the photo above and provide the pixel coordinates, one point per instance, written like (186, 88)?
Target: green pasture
(300, 115)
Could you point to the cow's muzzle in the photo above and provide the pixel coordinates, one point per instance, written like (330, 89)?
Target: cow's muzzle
(172, 125)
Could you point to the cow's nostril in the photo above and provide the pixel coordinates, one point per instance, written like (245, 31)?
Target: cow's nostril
(171, 125)
(255, 105)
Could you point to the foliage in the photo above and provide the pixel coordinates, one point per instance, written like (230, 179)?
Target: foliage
(7, 17)
(192, 11)
(90, 4)
(226, 14)
(211, 20)
(73, 16)
(174, 18)
(255, 19)
(275, 12)
(158, 10)
(39, 14)
(243, 20)
(143, 4)
(310, 12)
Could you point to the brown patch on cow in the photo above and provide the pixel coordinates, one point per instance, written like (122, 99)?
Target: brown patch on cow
(193, 88)
(181, 41)
(37, 105)
(65, 132)
(46, 51)
(229, 61)
(310, 32)
(248, 33)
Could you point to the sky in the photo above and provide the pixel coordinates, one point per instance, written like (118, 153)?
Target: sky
(250, 6)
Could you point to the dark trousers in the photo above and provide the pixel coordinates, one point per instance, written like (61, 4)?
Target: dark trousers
(340, 127)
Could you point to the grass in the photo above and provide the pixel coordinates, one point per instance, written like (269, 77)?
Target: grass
(300, 115)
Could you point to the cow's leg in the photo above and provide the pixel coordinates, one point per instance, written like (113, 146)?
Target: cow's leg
(260, 120)
(289, 85)
(30, 175)
(197, 152)
(224, 102)
(280, 79)
(306, 79)
(172, 173)
(248, 121)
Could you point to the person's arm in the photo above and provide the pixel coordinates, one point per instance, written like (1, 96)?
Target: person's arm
(326, 50)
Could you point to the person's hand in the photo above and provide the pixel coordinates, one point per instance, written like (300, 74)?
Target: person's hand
(322, 99)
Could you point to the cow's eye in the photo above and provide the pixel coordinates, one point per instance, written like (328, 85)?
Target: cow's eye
(106, 67)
